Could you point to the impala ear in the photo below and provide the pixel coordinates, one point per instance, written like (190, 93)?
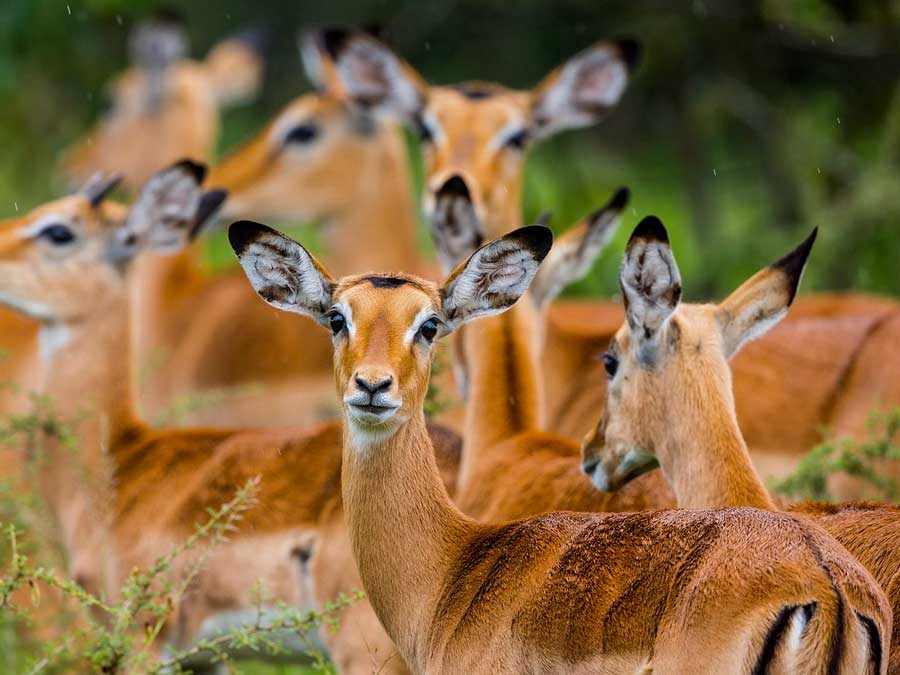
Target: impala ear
(99, 187)
(576, 250)
(318, 64)
(158, 42)
(585, 88)
(651, 286)
(373, 78)
(495, 276)
(763, 300)
(170, 209)
(281, 271)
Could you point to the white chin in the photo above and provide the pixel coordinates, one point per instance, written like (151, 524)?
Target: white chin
(371, 419)
(599, 479)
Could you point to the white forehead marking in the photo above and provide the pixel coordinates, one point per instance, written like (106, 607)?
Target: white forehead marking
(288, 121)
(509, 130)
(34, 229)
(347, 312)
(424, 314)
(430, 120)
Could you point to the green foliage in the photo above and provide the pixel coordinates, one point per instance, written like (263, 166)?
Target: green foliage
(122, 634)
(860, 459)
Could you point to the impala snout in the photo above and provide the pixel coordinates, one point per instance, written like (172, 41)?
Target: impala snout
(611, 468)
(373, 397)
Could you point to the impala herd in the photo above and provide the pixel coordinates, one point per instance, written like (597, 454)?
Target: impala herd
(489, 539)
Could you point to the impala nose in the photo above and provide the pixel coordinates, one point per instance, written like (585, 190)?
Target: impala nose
(454, 186)
(373, 387)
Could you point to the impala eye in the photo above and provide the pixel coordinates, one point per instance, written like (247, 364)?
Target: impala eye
(302, 134)
(429, 330)
(424, 131)
(518, 141)
(337, 322)
(611, 364)
(58, 234)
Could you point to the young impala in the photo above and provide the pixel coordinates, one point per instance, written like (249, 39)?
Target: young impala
(670, 591)
(669, 401)
(68, 264)
(475, 138)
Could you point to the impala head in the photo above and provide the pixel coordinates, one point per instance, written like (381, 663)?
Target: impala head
(312, 159)
(384, 326)
(475, 135)
(66, 259)
(668, 380)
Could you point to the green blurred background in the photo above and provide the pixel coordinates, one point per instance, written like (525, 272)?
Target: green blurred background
(746, 123)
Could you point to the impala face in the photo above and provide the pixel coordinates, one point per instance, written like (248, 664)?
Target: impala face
(65, 259)
(384, 326)
(43, 257)
(307, 163)
(475, 135)
(668, 379)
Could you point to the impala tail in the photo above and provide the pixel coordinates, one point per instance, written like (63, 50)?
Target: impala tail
(827, 636)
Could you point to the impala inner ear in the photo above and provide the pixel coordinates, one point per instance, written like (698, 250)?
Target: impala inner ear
(99, 187)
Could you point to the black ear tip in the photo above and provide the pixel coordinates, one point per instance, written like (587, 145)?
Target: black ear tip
(538, 239)
(170, 15)
(332, 40)
(197, 170)
(650, 229)
(243, 233)
(794, 263)
(619, 200)
(630, 49)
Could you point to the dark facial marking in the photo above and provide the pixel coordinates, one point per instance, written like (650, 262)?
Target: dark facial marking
(387, 282)
(474, 92)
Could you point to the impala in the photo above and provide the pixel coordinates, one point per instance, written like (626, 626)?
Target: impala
(166, 106)
(68, 264)
(669, 401)
(669, 591)
(475, 137)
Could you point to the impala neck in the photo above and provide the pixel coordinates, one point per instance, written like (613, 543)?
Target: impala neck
(87, 379)
(504, 386)
(404, 529)
(377, 229)
(162, 283)
(707, 463)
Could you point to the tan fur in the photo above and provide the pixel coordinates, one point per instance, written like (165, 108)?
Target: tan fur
(563, 591)
(149, 486)
(682, 411)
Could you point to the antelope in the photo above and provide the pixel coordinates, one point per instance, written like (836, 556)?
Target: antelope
(567, 592)
(166, 106)
(68, 264)
(475, 137)
(669, 401)
(504, 445)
